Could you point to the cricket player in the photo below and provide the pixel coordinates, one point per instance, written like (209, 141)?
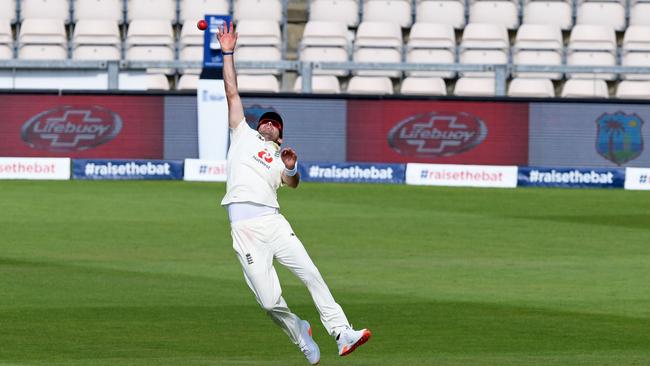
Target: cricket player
(257, 167)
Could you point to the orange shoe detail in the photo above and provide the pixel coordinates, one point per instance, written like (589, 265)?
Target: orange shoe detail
(364, 338)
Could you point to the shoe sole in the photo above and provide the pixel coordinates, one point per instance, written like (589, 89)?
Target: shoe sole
(364, 338)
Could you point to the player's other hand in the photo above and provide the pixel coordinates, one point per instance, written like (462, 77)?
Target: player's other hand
(289, 157)
(227, 37)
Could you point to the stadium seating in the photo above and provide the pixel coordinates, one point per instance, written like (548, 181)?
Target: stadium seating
(598, 12)
(431, 43)
(415, 85)
(503, 12)
(484, 43)
(193, 10)
(378, 42)
(8, 10)
(150, 40)
(6, 40)
(325, 41)
(346, 11)
(640, 13)
(327, 84)
(526, 87)
(538, 44)
(45, 9)
(392, 11)
(258, 83)
(592, 45)
(96, 40)
(633, 89)
(636, 50)
(585, 88)
(450, 12)
(370, 85)
(475, 87)
(151, 10)
(98, 9)
(549, 12)
(258, 10)
(42, 39)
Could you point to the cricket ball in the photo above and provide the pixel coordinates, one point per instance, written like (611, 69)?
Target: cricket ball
(202, 24)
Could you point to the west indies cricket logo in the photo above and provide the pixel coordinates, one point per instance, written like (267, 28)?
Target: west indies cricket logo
(68, 128)
(437, 134)
(619, 137)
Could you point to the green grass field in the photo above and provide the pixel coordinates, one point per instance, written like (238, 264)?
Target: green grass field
(143, 273)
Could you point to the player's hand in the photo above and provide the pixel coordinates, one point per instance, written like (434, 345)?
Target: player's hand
(289, 157)
(227, 37)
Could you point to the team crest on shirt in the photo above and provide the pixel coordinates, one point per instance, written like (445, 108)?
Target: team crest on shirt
(264, 157)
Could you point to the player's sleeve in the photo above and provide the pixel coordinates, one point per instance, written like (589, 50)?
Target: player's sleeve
(242, 129)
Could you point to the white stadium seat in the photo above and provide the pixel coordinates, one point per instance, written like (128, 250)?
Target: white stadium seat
(370, 85)
(6, 40)
(536, 88)
(321, 84)
(377, 55)
(640, 13)
(602, 13)
(193, 10)
(538, 44)
(157, 82)
(190, 35)
(258, 33)
(549, 12)
(188, 82)
(502, 12)
(423, 86)
(258, 83)
(431, 43)
(8, 10)
(346, 11)
(151, 10)
(475, 86)
(191, 53)
(259, 54)
(636, 50)
(99, 9)
(45, 9)
(397, 11)
(150, 40)
(484, 43)
(42, 39)
(325, 34)
(584, 88)
(325, 54)
(441, 11)
(96, 40)
(6, 52)
(378, 42)
(592, 45)
(633, 89)
(258, 10)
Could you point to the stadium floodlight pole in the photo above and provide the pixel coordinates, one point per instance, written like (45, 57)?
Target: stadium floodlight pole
(211, 95)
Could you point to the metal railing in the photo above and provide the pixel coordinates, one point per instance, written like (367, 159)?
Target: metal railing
(306, 69)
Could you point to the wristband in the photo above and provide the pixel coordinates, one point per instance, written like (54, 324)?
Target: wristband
(227, 53)
(292, 172)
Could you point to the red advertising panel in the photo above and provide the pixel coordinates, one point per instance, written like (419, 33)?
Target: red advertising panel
(98, 126)
(442, 132)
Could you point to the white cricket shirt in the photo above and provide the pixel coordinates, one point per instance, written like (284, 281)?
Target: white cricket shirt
(254, 168)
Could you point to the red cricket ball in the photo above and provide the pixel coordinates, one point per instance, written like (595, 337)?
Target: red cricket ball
(202, 24)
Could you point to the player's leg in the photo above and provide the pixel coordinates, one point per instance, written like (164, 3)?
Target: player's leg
(256, 259)
(292, 254)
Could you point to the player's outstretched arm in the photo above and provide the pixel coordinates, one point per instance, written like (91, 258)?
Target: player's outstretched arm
(290, 176)
(228, 39)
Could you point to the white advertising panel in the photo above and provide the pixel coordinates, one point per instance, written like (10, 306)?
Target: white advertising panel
(35, 168)
(213, 119)
(197, 170)
(461, 175)
(637, 178)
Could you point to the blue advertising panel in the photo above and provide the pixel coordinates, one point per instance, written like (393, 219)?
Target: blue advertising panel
(212, 57)
(353, 173)
(127, 169)
(571, 177)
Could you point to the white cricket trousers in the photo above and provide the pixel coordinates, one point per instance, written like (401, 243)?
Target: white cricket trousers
(257, 242)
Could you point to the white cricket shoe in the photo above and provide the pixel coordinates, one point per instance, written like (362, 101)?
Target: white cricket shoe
(350, 339)
(307, 344)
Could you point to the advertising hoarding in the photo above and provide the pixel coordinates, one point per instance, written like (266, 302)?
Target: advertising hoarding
(35, 168)
(442, 132)
(571, 177)
(102, 169)
(461, 175)
(352, 173)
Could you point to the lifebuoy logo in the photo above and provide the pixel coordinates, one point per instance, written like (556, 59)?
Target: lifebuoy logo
(71, 128)
(264, 154)
(436, 134)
